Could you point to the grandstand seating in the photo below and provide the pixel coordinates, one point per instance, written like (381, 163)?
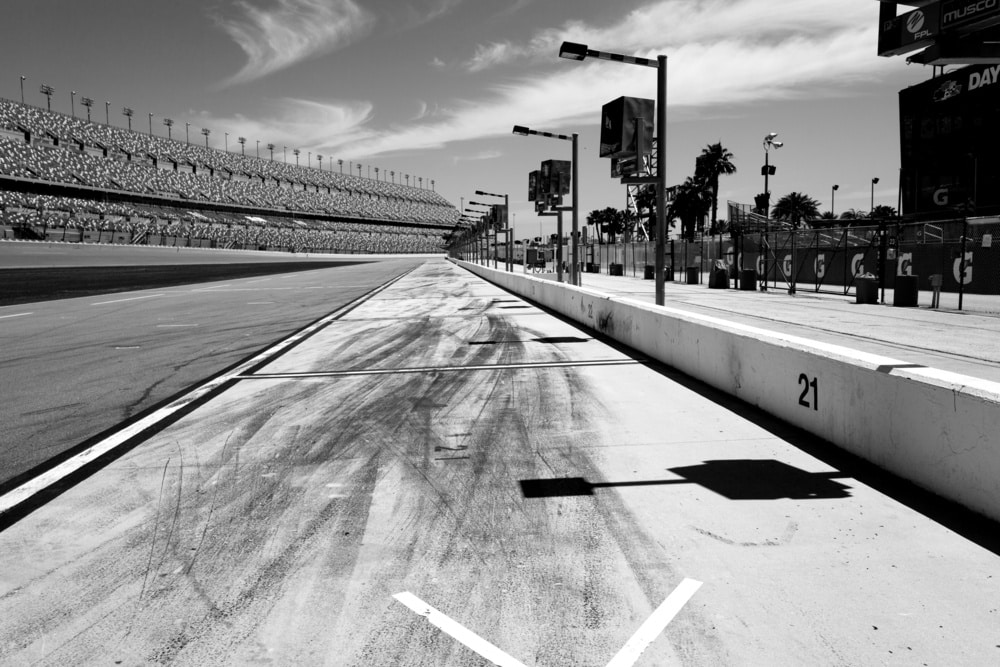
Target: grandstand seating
(345, 212)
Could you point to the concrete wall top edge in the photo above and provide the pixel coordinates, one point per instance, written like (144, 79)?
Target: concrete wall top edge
(984, 389)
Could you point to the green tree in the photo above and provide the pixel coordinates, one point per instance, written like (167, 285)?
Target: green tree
(883, 211)
(796, 207)
(715, 161)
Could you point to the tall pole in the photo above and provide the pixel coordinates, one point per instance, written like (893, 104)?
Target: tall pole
(767, 218)
(22, 88)
(574, 273)
(661, 174)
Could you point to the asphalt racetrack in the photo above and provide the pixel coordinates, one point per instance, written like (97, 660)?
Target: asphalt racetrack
(398, 463)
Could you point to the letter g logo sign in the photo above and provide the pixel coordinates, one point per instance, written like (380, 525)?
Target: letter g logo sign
(941, 196)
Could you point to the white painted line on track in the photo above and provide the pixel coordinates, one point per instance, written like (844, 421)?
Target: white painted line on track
(457, 631)
(655, 624)
(164, 326)
(134, 298)
(3, 317)
(442, 369)
(36, 485)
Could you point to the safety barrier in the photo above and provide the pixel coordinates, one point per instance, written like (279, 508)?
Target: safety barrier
(935, 428)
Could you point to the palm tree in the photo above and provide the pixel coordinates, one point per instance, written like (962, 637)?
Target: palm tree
(795, 207)
(714, 161)
(853, 214)
(602, 219)
(689, 204)
(883, 211)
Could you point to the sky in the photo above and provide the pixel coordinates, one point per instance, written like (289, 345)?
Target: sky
(432, 88)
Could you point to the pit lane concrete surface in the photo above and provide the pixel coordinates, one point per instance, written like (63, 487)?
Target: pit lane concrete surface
(445, 474)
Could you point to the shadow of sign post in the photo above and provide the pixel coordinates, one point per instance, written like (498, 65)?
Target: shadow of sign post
(735, 479)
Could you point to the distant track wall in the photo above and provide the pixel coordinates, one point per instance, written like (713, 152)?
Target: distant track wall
(938, 429)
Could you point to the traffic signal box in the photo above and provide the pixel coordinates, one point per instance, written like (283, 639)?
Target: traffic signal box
(547, 185)
(621, 137)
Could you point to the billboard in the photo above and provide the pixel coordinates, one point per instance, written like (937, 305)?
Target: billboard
(950, 143)
(618, 126)
(910, 31)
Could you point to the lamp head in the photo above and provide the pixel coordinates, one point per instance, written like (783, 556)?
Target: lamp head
(770, 136)
(875, 180)
(573, 51)
(836, 187)
(521, 130)
(777, 144)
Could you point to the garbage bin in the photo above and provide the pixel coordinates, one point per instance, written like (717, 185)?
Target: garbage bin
(718, 279)
(668, 274)
(649, 273)
(866, 290)
(748, 280)
(617, 269)
(692, 275)
(905, 292)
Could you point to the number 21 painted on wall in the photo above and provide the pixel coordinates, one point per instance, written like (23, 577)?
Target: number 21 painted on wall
(806, 385)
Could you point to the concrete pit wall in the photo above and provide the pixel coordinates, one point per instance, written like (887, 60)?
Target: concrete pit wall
(938, 429)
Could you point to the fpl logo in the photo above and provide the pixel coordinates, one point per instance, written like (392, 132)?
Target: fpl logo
(915, 22)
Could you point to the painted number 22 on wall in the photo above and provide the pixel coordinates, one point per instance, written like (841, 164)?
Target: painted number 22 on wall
(804, 397)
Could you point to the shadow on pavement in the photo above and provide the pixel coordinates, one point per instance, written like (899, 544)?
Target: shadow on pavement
(737, 479)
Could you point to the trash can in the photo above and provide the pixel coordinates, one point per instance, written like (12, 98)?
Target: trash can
(866, 290)
(748, 280)
(718, 279)
(905, 292)
(692, 275)
(617, 269)
(649, 272)
(668, 274)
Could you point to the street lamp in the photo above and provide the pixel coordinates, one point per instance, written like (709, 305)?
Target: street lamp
(127, 112)
(767, 170)
(187, 136)
(206, 132)
(359, 171)
(574, 51)
(393, 175)
(22, 88)
(150, 124)
(225, 141)
(169, 122)
(47, 91)
(574, 269)
(340, 163)
(832, 191)
(432, 185)
(87, 102)
(107, 112)
(258, 148)
(270, 147)
(872, 207)
(407, 180)
(296, 151)
(72, 103)
(508, 236)
(243, 145)
(376, 173)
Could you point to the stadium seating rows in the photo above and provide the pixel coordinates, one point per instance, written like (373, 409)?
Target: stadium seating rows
(64, 149)
(63, 218)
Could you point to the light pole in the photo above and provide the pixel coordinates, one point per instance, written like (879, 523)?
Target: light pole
(833, 190)
(767, 170)
(225, 141)
(296, 152)
(22, 88)
(872, 207)
(393, 174)
(87, 102)
(127, 112)
(243, 145)
(150, 124)
(258, 148)
(574, 269)
(309, 159)
(284, 154)
(505, 228)
(432, 185)
(340, 163)
(169, 122)
(107, 112)
(574, 51)
(319, 159)
(47, 91)
(187, 135)
(407, 180)
(376, 173)
(72, 103)
(359, 171)
(206, 132)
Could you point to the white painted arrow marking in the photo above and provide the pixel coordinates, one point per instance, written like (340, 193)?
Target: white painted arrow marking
(655, 624)
(458, 631)
(626, 657)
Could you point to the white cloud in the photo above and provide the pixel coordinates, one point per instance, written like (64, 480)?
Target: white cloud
(482, 155)
(290, 31)
(303, 124)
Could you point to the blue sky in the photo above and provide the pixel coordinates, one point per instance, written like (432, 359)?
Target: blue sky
(431, 88)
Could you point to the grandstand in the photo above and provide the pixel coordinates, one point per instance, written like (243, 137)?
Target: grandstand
(66, 178)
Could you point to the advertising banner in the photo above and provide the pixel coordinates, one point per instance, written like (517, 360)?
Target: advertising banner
(950, 143)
